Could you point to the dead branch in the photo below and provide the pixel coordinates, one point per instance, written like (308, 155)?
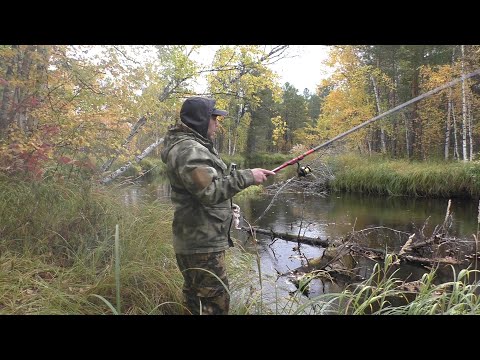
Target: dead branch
(133, 132)
(125, 167)
(287, 237)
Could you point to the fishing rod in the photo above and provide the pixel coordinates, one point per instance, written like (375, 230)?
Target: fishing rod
(304, 170)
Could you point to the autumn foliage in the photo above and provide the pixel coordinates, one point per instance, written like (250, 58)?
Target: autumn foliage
(67, 111)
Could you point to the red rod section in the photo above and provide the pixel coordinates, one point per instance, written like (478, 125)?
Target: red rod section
(293, 161)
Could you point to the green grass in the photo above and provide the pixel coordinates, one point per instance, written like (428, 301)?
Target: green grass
(382, 293)
(57, 251)
(256, 159)
(251, 191)
(59, 254)
(264, 159)
(237, 159)
(404, 178)
(148, 167)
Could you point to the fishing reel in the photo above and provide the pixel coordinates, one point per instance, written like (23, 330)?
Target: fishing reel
(233, 167)
(303, 170)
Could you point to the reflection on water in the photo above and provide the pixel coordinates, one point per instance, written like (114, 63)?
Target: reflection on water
(332, 217)
(335, 215)
(157, 189)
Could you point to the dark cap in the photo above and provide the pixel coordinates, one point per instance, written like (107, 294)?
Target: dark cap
(196, 112)
(219, 112)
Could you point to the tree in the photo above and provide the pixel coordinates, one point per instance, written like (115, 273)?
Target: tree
(241, 73)
(293, 112)
(314, 104)
(260, 131)
(349, 101)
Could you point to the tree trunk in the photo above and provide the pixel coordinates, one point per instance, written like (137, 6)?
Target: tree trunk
(448, 128)
(289, 237)
(417, 126)
(393, 103)
(379, 110)
(132, 134)
(407, 136)
(395, 136)
(447, 124)
(229, 140)
(464, 111)
(470, 136)
(7, 95)
(21, 93)
(456, 155)
(125, 167)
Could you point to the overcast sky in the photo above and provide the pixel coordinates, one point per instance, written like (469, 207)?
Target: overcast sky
(302, 68)
(305, 70)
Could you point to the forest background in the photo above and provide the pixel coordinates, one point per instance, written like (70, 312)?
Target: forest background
(72, 109)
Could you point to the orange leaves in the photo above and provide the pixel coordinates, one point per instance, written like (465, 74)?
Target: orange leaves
(65, 160)
(28, 154)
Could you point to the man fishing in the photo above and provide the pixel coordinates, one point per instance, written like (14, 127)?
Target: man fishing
(202, 188)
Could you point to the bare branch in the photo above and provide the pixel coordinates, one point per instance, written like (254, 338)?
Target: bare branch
(125, 55)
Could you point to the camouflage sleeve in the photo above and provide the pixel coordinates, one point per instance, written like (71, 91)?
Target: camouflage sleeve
(197, 170)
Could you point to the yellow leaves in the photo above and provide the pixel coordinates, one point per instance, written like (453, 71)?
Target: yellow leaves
(309, 136)
(350, 102)
(30, 292)
(435, 76)
(7, 53)
(79, 289)
(241, 70)
(279, 131)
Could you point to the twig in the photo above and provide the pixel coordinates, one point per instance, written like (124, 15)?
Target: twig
(273, 199)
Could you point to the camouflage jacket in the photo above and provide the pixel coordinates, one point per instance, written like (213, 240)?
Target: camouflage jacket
(201, 191)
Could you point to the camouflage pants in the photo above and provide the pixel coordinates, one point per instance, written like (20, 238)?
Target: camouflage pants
(201, 288)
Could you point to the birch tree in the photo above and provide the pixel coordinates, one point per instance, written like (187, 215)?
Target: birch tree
(464, 110)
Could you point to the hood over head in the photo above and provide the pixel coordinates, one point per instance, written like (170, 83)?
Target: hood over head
(196, 112)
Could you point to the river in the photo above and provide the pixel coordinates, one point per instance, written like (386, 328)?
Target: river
(333, 217)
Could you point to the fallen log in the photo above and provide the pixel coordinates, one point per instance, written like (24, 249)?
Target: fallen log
(445, 261)
(379, 254)
(288, 237)
(125, 167)
(333, 265)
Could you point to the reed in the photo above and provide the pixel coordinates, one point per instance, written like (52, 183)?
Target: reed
(382, 293)
(377, 175)
(57, 251)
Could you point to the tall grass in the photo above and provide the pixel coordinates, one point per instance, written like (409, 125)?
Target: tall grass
(256, 159)
(376, 175)
(237, 159)
(57, 251)
(382, 294)
(251, 191)
(263, 159)
(58, 256)
(61, 246)
(457, 297)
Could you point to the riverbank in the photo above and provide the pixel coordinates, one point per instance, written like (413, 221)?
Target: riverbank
(57, 244)
(368, 175)
(57, 251)
(375, 175)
